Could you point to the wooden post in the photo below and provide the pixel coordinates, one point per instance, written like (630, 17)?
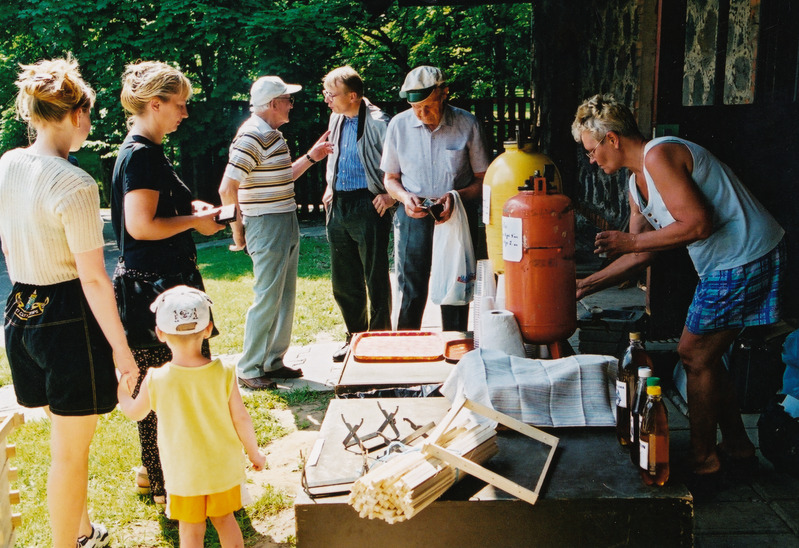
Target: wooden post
(8, 520)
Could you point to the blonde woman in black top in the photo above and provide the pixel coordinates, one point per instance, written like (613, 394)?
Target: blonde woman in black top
(159, 214)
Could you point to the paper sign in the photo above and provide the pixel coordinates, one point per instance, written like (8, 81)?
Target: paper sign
(486, 205)
(791, 406)
(512, 249)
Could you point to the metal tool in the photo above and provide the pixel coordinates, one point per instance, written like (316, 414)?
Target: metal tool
(353, 438)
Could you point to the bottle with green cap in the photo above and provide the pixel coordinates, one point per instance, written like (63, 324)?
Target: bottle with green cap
(654, 437)
(639, 400)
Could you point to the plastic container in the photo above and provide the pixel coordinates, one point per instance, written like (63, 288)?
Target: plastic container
(634, 357)
(639, 401)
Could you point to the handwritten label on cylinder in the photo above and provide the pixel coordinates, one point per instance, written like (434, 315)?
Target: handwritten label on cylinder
(512, 249)
(486, 204)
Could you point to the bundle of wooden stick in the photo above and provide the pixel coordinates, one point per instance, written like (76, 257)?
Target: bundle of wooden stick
(407, 483)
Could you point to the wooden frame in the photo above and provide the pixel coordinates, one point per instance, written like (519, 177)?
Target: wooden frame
(510, 487)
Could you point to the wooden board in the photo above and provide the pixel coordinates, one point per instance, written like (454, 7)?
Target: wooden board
(359, 376)
(8, 423)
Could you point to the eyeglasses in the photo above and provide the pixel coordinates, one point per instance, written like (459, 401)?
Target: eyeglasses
(590, 155)
(289, 98)
(329, 94)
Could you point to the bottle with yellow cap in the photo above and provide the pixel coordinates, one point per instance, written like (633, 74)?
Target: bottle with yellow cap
(654, 437)
(639, 401)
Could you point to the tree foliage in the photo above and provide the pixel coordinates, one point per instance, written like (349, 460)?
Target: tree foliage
(223, 45)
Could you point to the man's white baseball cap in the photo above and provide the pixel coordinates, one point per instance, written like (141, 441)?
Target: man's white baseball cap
(267, 88)
(420, 83)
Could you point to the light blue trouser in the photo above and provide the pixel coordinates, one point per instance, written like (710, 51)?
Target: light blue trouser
(273, 242)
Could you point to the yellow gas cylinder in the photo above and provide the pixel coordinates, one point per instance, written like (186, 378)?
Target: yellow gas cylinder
(502, 180)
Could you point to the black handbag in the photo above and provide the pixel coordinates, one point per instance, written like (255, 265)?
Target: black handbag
(135, 291)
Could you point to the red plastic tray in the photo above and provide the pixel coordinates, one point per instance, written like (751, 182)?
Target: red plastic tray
(454, 350)
(394, 346)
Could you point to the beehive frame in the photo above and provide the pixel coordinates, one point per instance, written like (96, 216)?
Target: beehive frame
(481, 472)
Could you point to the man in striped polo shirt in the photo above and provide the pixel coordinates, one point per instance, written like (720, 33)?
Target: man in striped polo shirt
(259, 179)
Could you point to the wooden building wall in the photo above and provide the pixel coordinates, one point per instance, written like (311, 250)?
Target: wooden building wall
(722, 73)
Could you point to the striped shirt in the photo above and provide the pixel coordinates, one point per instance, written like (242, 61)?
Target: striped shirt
(260, 161)
(351, 174)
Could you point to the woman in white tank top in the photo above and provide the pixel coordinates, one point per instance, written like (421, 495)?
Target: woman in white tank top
(680, 195)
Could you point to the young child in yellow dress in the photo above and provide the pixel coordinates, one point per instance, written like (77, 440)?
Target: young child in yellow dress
(202, 422)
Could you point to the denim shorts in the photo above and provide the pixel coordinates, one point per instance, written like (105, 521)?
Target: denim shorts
(739, 297)
(57, 352)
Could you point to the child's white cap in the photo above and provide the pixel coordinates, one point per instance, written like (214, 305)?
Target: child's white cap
(182, 310)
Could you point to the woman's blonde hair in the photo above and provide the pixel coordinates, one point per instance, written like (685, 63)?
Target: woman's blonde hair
(51, 89)
(601, 114)
(147, 80)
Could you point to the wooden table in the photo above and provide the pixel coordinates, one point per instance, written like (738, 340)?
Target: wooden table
(357, 376)
(592, 497)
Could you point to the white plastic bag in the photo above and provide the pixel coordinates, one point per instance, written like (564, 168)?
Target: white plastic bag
(454, 268)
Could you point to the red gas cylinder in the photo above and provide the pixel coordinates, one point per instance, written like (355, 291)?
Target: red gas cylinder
(540, 272)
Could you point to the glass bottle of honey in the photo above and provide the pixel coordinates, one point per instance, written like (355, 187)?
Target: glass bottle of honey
(654, 437)
(634, 357)
(639, 401)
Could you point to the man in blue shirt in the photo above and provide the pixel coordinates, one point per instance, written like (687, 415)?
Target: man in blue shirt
(359, 211)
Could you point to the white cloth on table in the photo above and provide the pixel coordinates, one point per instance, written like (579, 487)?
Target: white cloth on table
(574, 391)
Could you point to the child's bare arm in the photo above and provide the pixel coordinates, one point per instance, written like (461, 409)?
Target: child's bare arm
(244, 428)
(134, 409)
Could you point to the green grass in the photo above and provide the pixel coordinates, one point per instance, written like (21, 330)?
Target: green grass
(269, 504)
(5, 372)
(305, 395)
(267, 427)
(114, 455)
(228, 279)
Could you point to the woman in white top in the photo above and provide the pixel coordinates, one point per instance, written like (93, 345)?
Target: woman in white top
(62, 330)
(681, 195)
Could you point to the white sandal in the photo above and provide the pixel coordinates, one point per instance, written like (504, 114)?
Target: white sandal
(142, 481)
